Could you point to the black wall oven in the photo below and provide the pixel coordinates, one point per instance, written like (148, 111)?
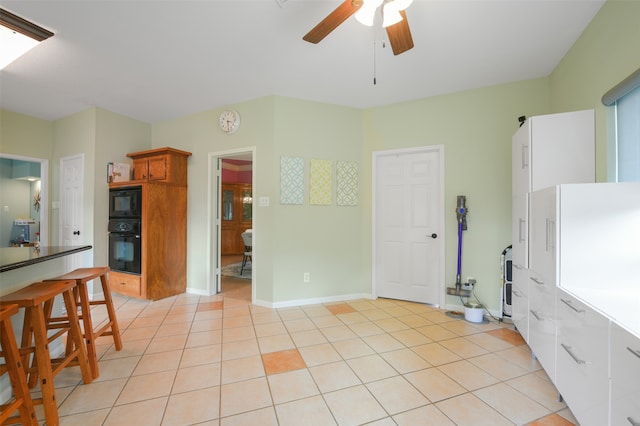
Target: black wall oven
(125, 245)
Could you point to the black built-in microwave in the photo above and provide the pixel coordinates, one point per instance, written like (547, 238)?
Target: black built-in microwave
(125, 202)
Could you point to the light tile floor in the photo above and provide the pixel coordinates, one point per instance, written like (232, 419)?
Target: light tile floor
(195, 360)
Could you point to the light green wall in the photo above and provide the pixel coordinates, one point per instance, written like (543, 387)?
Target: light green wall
(607, 52)
(323, 240)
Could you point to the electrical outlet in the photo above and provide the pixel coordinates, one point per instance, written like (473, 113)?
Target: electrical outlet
(306, 277)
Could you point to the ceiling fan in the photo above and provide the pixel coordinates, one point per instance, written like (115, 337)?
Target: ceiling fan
(394, 19)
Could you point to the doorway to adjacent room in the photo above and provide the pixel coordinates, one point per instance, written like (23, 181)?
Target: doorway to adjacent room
(232, 267)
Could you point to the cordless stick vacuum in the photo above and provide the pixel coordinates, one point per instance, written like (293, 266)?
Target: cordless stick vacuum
(461, 214)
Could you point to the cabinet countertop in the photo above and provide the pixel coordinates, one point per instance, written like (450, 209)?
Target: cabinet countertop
(19, 257)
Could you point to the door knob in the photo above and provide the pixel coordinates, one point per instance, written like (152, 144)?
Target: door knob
(434, 236)
(76, 232)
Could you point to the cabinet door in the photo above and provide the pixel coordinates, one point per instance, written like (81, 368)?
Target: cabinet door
(582, 375)
(562, 149)
(140, 169)
(520, 159)
(520, 230)
(542, 236)
(625, 377)
(157, 168)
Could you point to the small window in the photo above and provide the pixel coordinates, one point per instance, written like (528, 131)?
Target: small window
(628, 137)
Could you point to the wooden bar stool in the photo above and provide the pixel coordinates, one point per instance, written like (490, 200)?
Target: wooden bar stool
(36, 299)
(21, 399)
(82, 276)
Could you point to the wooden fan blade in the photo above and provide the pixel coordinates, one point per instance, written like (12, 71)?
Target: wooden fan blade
(333, 20)
(400, 35)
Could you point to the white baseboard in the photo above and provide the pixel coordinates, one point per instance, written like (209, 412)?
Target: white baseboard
(314, 301)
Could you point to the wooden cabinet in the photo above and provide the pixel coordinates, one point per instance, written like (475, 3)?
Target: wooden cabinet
(167, 165)
(237, 205)
(163, 229)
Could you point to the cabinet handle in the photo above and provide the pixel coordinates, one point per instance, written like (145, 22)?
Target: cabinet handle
(568, 303)
(572, 355)
(550, 226)
(525, 150)
(517, 266)
(537, 281)
(635, 352)
(520, 229)
(535, 314)
(515, 293)
(633, 422)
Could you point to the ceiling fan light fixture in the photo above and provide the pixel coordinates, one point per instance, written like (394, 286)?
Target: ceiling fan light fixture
(366, 14)
(390, 14)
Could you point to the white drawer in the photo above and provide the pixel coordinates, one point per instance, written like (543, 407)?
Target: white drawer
(520, 302)
(625, 377)
(582, 374)
(542, 322)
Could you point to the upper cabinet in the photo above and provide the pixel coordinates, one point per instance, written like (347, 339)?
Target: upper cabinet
(166, 165)
(554, 149)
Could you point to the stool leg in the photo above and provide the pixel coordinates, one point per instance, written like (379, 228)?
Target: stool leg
(16, 374)
(88, 328)
(76, 334)
(27, 342)
(115, 329)
(44, 366)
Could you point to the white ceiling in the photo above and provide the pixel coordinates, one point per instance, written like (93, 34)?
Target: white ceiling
(154, 60)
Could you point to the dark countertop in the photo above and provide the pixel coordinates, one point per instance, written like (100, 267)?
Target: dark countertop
(19, 257)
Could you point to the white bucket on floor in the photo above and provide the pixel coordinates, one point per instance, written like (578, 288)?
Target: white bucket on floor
(473, 312)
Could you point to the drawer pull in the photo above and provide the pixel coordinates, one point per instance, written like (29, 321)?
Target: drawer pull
(568, 303)
(633, 422)
(635, 352)
(537, 281)
(535, 314)
(572, 355)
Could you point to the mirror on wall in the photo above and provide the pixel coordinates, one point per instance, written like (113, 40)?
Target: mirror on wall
(23, 201)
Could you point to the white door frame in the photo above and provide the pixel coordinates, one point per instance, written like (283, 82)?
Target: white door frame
(214, 188)
(441, 236)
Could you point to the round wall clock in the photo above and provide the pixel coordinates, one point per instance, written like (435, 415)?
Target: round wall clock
(229, 121)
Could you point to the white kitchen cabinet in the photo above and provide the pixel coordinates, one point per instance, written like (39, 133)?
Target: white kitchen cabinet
(542, 321)
(625, 377)
(582, 365)
(546, 150)
(553, 149)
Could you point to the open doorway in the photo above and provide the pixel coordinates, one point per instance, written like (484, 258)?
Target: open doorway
(24, 196)
(233, 224)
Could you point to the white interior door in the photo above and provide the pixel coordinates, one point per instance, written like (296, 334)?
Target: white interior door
(409, 225)
(71, 206)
